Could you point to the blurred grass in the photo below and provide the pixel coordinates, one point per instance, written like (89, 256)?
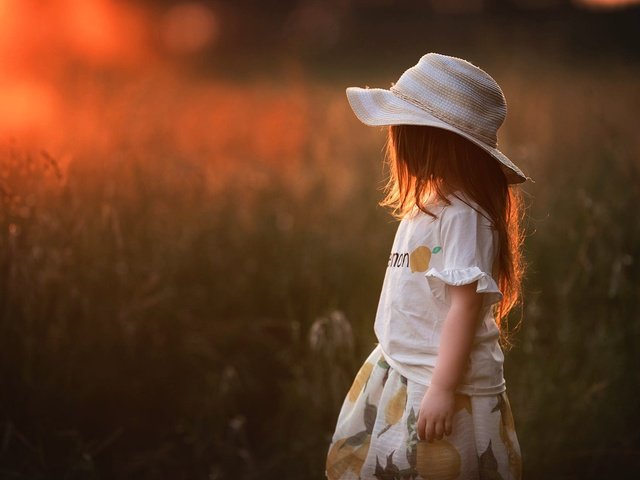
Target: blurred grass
(189, 293)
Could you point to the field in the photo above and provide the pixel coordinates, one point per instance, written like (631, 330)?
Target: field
(190, 264)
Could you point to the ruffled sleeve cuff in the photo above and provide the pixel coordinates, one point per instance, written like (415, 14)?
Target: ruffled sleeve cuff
(438, 280)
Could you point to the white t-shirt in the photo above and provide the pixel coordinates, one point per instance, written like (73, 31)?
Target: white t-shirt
(456, 248)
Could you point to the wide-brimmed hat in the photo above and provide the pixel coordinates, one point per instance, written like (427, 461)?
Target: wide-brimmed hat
(443, 92)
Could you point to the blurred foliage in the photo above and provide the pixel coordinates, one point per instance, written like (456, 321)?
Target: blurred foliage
(155, 317)
(189, 294)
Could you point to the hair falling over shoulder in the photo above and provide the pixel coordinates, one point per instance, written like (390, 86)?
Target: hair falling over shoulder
(427, 163)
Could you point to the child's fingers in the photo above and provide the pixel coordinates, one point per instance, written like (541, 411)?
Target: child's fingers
(429, 431)
(438, 429)
(448, 425)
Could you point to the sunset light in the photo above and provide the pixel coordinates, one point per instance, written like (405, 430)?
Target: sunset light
(75, 39)
(26, 106)
(606, 4)
(72, 37)
(194, 238)
(189, 27)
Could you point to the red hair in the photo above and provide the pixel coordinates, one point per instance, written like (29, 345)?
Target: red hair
(427, 163)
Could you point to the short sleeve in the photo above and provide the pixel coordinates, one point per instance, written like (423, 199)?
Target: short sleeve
(468, 245)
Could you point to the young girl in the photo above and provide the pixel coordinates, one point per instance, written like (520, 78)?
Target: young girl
(430, 400)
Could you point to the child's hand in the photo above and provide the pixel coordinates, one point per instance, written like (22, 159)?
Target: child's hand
(436, 413)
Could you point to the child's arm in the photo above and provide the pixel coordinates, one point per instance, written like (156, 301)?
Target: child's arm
(458, 331)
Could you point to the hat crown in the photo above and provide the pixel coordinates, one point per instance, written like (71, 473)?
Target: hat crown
(457, 92)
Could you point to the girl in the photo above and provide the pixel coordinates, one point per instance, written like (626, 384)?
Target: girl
(430, 400)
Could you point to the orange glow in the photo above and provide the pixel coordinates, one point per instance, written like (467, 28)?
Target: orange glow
(602, 4)
(100, 30)
(43, 44)
(26, 105)
(80, 77)
(189, 27)
(38, 35)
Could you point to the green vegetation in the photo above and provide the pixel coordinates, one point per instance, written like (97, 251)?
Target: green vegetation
(197, 308)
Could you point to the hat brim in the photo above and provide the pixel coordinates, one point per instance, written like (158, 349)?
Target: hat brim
(380, 107)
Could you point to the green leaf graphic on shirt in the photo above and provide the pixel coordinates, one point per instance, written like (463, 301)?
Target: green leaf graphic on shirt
(383, 363)
(436, 249)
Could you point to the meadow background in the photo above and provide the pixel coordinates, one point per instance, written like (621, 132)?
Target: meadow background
(191, 250)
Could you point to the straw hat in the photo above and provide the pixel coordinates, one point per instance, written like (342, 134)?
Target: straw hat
(444, 92)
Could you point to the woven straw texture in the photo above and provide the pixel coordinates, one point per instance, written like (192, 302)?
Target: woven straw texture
(444, 92)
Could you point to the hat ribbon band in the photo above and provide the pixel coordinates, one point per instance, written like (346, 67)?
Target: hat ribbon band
(486, 139)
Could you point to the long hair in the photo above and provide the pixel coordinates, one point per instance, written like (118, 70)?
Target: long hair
(426, 163)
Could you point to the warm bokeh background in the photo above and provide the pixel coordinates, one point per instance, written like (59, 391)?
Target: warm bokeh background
(191, 252)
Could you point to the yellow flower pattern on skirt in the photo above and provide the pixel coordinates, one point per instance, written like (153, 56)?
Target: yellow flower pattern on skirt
(375, 435)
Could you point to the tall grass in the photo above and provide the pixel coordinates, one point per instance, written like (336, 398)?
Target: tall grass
(188, 284)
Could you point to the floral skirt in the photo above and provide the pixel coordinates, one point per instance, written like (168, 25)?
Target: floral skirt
(376, 438)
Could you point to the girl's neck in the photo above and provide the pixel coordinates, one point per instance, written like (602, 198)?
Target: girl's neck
(451, 187)
(447, 190)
